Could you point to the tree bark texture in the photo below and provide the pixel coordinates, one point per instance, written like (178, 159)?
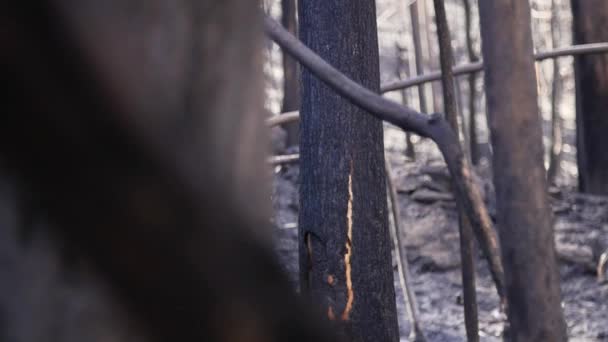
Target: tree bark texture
(345, 255)
(591, 75)
(291, 73)
(524, 216)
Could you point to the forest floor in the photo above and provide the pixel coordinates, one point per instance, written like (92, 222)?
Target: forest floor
(430, 231)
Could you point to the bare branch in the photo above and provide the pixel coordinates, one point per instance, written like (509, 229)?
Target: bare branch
(284, 159)
(403, 269)
(380, 107)
(595, 48)
(478, 66)
(282, 119)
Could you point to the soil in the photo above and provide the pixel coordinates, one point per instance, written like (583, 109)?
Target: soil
(430, 231)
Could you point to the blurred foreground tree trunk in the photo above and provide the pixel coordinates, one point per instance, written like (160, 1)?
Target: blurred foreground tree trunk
(291, 74)
(345, 251)
(132, 173)
(524, 215)
(590, 18)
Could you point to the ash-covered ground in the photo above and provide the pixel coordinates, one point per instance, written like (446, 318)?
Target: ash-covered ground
(429, 229)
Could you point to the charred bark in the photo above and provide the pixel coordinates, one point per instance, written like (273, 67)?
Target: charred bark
(345, 254)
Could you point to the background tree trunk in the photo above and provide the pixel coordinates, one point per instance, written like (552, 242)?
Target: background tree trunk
(144, 158)
(524, 216)
(465, 231)
(555, 145)
(410, 152)
(345, 255)
(291, 73)
(591, 74)
(473, 143)
(414, 18)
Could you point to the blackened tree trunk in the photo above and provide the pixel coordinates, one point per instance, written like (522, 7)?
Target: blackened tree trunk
(524, 216)
(345, 256)
(465, 231)
(473, 143)
(291, 73)
(591, 72)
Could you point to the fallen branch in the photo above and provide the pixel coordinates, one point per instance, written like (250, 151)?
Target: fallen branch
(403, 269)
(433, 127)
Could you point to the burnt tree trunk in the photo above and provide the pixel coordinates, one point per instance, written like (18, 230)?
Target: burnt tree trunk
(291, 74)
(345, 255)
(473, 142)
(591, 74)
(465, 231)
(524, 216)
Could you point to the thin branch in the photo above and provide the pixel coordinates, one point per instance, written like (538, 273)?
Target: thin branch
(433, 126)
(362, 97)
(284, 159)
(282, 119)
(574, 50)
(403, 269)
(582, 49)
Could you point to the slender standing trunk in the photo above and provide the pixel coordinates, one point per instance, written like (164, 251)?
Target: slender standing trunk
(524, 215)
(433, 65)
(414, 18)
(409, 144)
(473, 143)
(291, 74)
(556, 87)
(345, 250)
(591, 74)
(465, 230)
